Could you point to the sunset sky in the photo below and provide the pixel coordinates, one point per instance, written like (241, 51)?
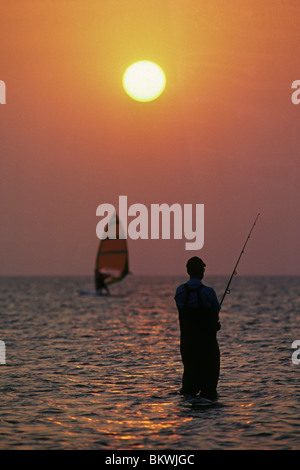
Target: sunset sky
(224, 133)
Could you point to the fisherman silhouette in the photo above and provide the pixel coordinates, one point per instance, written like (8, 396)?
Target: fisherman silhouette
(100, 282)
(198, 309)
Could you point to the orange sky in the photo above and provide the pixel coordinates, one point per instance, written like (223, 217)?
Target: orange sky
(224, 133)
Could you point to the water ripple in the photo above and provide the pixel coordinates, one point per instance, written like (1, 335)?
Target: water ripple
(92, 373)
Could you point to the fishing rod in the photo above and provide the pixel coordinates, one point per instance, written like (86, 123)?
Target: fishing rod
(227, 291)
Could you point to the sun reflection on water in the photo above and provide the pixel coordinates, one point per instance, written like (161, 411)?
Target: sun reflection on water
(117, 371)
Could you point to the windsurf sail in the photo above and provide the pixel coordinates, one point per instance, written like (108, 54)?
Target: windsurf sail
(112, 255)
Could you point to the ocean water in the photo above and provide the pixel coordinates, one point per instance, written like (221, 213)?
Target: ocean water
(86, 373)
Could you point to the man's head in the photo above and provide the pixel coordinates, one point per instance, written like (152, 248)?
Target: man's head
(195, 267)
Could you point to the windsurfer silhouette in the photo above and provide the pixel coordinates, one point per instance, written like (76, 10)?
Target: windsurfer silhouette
(100, 282)
(198, 309)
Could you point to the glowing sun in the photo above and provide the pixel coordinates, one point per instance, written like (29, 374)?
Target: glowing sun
(144, 81)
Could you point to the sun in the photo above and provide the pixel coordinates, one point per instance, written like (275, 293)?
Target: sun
(144, 80)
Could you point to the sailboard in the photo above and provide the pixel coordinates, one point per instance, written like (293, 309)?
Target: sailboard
(112, 256)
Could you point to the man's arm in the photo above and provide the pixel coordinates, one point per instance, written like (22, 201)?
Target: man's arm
(214, 305)
(180, 296)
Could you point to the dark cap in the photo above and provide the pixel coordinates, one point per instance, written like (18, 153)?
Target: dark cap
(194, 265)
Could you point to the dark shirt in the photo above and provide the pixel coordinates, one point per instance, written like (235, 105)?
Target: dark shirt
(208, 296)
